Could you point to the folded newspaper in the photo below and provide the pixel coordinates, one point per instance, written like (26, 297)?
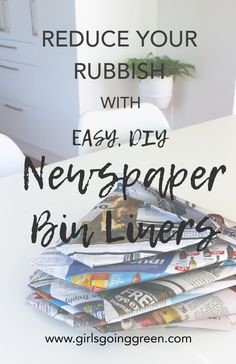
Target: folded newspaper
(147, 207)
(101, 278)
(118, 304)
(193, 313)
(121, 285)
(216, 304)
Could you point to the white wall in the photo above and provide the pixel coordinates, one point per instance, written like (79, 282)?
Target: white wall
(118, 15)
(210, 95)
(59, 111)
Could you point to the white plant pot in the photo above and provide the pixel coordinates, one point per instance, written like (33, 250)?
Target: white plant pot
(158, 89)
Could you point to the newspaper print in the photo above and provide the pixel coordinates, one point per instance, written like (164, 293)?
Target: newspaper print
(70, 295)
(101, 278)
(53, 308)
(218, 304)
(147, 207)
(131, 301)
(125, 304)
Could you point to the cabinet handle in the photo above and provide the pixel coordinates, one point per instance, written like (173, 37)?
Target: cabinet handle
(13, 108)
(2, 20)
(4, 16)
(7, 46)
(9, 68)
(34, 17)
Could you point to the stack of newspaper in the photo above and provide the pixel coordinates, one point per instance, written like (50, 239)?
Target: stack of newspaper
(121, 282)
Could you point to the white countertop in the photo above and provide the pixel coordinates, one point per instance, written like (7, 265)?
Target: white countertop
(23, 329)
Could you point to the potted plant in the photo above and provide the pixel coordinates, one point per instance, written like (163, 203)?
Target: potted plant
(155, 87)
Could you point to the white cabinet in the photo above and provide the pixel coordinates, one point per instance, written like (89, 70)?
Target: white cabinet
(40, 80)
(21, 120)
(24, 79)
(39, 102)
(58, 90)
(18, 19)
(19, 97)
(19, 52)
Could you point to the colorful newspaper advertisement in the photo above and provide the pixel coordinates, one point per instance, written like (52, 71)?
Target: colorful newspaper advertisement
(218, 304)
(149, 296)
(101, 278)
(133, 300)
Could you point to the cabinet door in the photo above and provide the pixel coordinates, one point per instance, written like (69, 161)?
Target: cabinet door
(20, 121)
(18, 20)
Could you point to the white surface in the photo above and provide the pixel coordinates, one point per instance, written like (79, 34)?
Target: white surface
(11, 157)
(22, 328)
